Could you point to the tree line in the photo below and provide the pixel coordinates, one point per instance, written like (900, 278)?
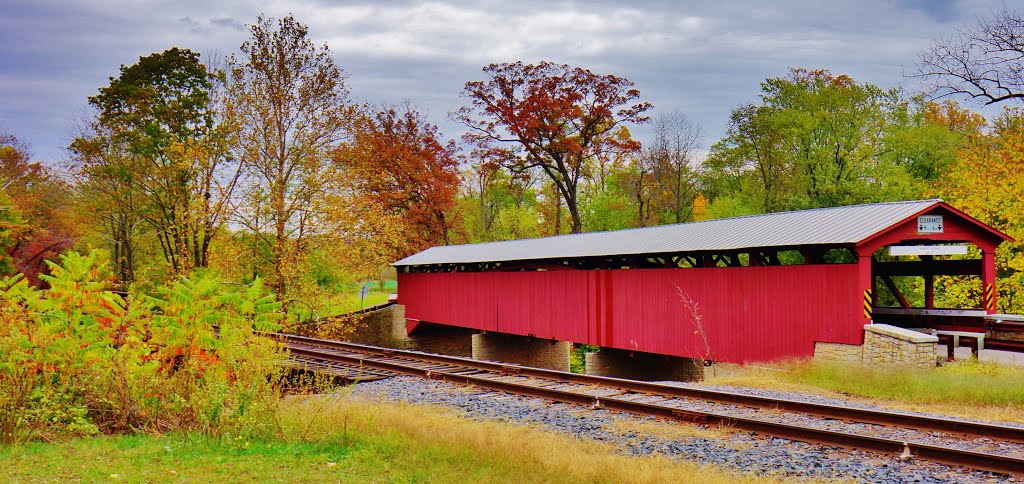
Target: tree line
(260, 164)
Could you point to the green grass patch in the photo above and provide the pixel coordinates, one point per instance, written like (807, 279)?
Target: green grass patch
(347, 299)
(179, 458)
(352, 440)
(966, 382)
(348, 302)
(971, 388)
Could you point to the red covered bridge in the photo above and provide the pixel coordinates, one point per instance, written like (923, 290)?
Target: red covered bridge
(765, 287)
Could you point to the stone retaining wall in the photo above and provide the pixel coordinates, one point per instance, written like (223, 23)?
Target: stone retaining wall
(883, 345)
(382, 327)
(889, 344)
(838, 352)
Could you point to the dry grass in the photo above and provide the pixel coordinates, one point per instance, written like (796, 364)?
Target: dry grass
(344, 439)
(969, 389)
(493, 452)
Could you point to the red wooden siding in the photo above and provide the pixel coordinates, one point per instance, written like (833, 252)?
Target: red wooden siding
(748, 313)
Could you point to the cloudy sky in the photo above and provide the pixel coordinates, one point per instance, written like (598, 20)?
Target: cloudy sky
(700, 58)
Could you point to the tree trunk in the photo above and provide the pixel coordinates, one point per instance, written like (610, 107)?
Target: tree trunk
(572, 203)
(558, 211)
(124, 257)
(574, 212)
(444, 226)
(280, 256)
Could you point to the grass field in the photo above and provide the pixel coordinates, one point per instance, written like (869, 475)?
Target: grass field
(346, 299)
(349, 440)
(968, 388)
(348, 302)
(378, 293)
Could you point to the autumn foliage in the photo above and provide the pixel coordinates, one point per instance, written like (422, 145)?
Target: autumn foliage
(987, 181)
(77, 359)
(403, 167)
(38, 223)
(553, 117)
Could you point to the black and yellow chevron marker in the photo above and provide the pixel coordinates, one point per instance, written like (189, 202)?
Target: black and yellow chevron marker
(989, 292)
(867, 303)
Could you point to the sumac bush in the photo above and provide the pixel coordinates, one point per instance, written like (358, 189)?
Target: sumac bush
(78, 359)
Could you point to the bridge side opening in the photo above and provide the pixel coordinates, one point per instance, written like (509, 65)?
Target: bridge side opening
(940, 286)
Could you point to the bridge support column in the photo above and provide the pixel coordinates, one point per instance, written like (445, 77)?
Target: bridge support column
(440, 338)
(522, 350)
(637, 365)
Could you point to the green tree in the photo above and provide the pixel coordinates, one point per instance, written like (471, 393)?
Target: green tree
(816, 140)
(611, 207)
(108, 191)
(156, 141)
(498, 204)
(751, 162)
(928, 142)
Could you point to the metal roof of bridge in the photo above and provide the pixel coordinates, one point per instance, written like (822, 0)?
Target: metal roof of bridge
(824, 226)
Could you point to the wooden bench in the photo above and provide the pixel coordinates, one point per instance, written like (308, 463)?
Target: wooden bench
(952, 341)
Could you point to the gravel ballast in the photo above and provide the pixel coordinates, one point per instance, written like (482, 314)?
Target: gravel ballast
(736, 450)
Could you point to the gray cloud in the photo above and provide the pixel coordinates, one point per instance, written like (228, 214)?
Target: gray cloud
(701, 58)
(228, 22)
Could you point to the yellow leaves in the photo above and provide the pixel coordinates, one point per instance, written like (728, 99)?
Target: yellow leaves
(700, 208)
(951, 116)
(365, 236)
(987, 181)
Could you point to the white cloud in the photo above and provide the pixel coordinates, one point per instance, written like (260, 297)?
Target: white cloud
(447, 32)
(703, 58)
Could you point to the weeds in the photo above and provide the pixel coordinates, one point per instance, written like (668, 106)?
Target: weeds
(693, 307)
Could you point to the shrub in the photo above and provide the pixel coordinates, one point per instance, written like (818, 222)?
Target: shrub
(78, 359)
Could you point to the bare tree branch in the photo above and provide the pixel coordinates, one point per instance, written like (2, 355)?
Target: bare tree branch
(984, 62)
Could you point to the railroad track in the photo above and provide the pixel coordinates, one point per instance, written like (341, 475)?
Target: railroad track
(345, 371)
(654, 399)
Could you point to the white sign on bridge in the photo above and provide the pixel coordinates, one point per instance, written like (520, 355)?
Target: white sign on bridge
(929, 224)
(928, 250)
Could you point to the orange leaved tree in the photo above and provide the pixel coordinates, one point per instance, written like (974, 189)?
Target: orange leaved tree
(401, 165)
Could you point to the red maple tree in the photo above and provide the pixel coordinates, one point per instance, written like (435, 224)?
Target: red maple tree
(43, 202)
(554, 117)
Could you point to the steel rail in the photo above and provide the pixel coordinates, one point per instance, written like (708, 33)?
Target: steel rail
(945, 455)
(877, 417)
(351, 373)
